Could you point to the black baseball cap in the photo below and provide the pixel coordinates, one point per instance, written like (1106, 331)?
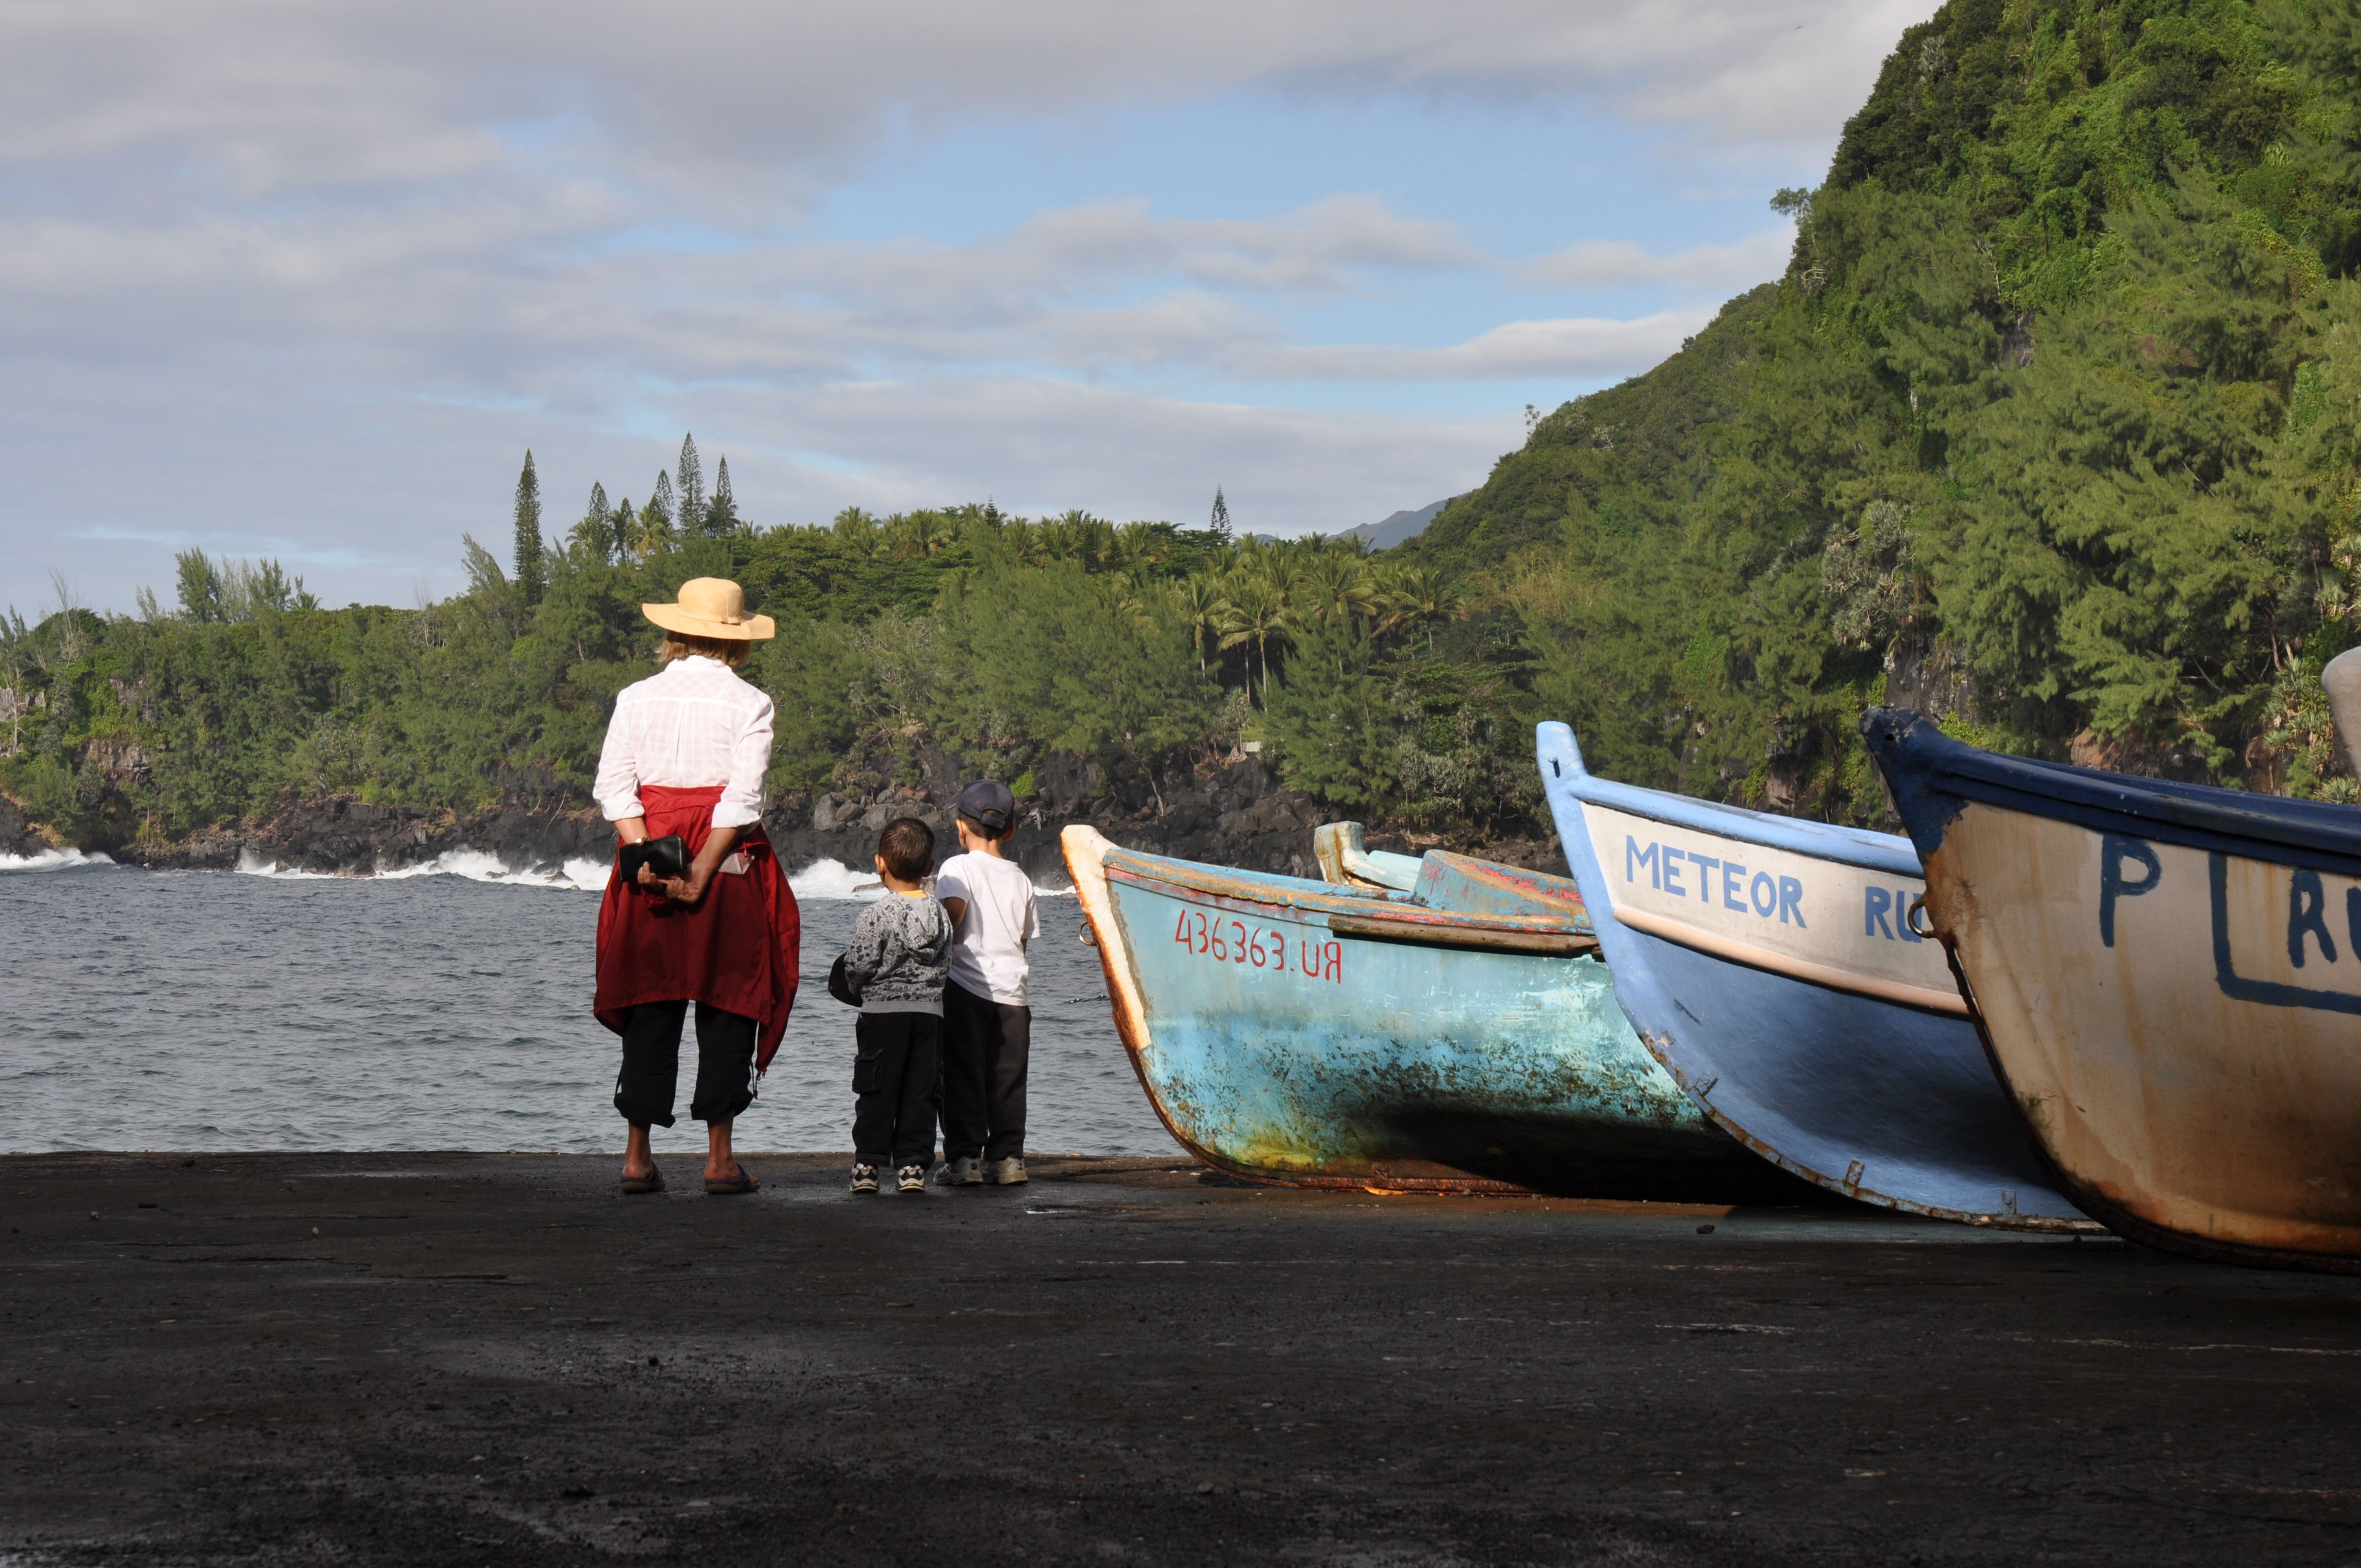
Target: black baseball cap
(988, 805)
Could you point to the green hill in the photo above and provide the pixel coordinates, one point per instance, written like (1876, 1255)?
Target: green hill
(2049, 427)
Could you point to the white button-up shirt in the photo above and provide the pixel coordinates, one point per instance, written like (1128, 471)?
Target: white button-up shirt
(690, 726)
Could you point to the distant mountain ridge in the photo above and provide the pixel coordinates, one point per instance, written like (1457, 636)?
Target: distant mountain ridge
(1400, 528)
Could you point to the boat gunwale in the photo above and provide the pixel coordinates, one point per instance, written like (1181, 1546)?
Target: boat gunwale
(2195, 817)
(1856, 847)
(1314, 908)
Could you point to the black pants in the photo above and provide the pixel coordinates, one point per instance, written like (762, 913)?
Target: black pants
(898, 1065)
(985, 1045)
(725, 1064)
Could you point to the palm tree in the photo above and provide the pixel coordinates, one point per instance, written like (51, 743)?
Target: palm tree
(1283, 568)
(1200, 598)
(1336, 587)
(1062, 536)
(1255, 613)
(1419, 597)
(922, 534)
(1143, 543)
(857, 531)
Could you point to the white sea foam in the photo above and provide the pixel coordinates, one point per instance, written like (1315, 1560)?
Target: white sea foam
(54, 860)
(834, 879)
(582, 876)
(589, 875)
(251, 864)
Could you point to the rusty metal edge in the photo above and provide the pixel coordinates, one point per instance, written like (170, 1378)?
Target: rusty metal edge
(1089, 887)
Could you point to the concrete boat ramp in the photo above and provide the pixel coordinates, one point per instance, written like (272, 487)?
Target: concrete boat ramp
(459, 1359)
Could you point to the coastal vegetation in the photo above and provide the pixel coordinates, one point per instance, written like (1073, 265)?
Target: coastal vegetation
(1005, 640)
(2052, 427)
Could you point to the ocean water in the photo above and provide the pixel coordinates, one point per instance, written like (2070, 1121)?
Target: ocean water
(447, 1008)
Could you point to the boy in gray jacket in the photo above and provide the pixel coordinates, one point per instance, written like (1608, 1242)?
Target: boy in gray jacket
(900, 954)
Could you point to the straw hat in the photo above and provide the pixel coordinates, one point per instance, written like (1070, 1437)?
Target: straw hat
(712, 606)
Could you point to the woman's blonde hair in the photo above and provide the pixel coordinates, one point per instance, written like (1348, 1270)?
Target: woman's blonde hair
(730, 651)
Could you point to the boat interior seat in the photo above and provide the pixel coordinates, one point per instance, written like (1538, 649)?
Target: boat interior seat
(1348, 861)
(1441, 880)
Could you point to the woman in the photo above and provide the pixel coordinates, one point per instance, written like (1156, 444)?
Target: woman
(686, 753)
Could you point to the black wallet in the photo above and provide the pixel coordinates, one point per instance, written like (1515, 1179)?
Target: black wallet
(666, 857)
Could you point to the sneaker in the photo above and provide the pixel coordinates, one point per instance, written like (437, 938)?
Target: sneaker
(864, 1178)
(967, 1172)
(909, 1178)
(1007, 1172)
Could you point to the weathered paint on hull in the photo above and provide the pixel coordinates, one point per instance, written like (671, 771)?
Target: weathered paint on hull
(2193, 1083)
(1767, 963)
(1329, 1056)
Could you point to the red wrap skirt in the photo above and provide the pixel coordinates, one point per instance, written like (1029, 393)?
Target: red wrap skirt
(736, 947)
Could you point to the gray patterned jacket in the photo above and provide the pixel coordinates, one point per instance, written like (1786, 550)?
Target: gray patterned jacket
(900, 955)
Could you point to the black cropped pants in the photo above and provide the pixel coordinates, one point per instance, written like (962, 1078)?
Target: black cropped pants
(725, 1064)
(986, 1046)
(897, 1067)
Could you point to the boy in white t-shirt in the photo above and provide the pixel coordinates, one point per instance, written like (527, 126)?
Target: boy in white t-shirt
(988, 1027)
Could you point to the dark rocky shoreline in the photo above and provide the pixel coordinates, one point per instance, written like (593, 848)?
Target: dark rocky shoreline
(1233, 812)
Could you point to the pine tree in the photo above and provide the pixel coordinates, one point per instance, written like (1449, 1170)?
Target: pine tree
(656, 534)
(594, 533)
(721, 511)
(692, 488)
(531, 574)
(1221, 523)
(201, 585)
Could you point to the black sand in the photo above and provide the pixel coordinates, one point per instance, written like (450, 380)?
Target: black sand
(455, 1359)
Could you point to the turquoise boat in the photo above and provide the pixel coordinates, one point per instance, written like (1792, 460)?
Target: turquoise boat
(1457, 1034)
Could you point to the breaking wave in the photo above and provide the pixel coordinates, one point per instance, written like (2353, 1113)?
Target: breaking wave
(834, 879)
(54, 860)
(578, 875)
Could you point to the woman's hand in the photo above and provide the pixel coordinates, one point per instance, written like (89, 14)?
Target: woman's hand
(683, 889)
(691, 888)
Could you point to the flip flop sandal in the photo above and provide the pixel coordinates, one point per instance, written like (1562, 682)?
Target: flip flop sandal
(639, 1186)
(730, 1186)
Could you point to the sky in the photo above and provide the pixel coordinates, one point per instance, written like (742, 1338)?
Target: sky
(304, 282)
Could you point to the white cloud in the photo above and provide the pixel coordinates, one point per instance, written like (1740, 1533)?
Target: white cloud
(732, 101)
(1576, 349)
(1036, 445)
(277, 270)
(1757, 258)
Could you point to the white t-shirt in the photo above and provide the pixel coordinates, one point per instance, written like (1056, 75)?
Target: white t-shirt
(988, 957)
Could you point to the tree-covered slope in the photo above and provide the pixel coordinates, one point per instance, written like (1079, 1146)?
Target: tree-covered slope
(2049, 427)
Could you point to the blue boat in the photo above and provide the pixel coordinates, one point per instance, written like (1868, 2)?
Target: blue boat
(1305, 1034)
(1773, 967)
(2168, 976)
